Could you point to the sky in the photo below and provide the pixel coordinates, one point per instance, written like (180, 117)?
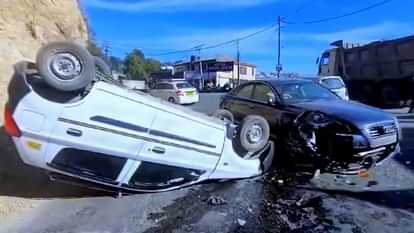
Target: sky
(160, 26)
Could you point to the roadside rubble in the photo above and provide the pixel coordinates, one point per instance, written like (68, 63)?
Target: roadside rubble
(216, 200)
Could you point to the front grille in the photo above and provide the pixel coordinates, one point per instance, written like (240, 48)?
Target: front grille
(383, 129)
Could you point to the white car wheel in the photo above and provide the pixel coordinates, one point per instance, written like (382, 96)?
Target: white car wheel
(253, 133)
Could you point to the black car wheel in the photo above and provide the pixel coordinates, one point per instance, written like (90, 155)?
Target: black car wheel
(65, 66)
(253, 133)
(171, 100)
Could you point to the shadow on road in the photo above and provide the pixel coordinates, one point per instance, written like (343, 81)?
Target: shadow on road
(397, 199)
(20, 180)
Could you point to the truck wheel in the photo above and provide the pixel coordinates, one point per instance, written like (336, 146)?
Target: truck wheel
(224, 115)
(102, 66)
(65, 66)
(253, 133)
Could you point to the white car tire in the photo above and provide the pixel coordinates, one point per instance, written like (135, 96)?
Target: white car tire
(65, 66)
(253, 134)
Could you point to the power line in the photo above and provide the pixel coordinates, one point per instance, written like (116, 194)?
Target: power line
(221, 44)
(378, 4)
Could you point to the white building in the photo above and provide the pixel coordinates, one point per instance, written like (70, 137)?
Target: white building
(217, 71)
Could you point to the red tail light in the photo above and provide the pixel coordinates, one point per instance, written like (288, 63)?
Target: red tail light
(10, 125)
(179, 93)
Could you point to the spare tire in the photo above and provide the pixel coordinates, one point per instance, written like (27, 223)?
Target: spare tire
(102, 66)
(254, 133)
(65, 66)
(224, 115)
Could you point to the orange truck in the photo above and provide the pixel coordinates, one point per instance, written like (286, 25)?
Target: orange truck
(380, 73)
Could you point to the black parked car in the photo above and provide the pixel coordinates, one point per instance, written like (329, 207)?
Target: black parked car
(315, 125)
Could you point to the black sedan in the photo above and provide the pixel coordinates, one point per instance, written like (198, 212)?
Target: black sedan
(313, 124)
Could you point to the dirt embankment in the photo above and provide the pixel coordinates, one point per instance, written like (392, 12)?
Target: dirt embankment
(25, 25)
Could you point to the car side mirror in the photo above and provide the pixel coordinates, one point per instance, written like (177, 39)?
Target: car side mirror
(271, 99)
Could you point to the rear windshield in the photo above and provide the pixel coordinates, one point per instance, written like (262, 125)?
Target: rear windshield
(333, 83)
(183, 85)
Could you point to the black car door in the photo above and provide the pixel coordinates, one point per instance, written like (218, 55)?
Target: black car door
(239, 102)
(261, 106)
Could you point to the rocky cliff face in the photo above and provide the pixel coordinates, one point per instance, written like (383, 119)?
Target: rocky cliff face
(26, 25)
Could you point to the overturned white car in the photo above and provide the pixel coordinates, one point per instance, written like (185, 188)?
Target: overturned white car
(64, 116)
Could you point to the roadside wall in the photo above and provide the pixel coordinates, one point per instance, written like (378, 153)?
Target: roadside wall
(26, 25)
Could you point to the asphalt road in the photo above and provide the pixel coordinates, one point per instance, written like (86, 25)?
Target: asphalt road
(382, 202)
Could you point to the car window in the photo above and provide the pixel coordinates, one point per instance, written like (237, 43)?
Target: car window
(261, 93)
(299, 92)
(245, 92)
(164, 86)
(183, 85)
(332, 83)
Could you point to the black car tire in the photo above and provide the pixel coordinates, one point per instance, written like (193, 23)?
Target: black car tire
(224, 115)
(65, 66)
(254, 133)
(102, 66)
(171, 100)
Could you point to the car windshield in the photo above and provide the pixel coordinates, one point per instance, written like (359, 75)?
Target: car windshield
(299, 92)
(332, 83)
(183, 85)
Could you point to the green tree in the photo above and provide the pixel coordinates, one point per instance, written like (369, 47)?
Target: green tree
(151, 66)
(116, 63)
(137, 67)
(134, 65)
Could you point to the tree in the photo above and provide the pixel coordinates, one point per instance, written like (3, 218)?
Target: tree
(116, 63)
(151, 66)
(137, 67)
(92, 46)
(134, 65)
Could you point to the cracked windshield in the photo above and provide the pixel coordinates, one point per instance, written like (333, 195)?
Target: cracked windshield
(206, 116)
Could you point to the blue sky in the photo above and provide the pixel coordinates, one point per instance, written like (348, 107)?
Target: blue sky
(159, 26)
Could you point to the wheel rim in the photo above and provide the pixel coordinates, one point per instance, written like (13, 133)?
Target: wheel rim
(255, 134)
(65, 66)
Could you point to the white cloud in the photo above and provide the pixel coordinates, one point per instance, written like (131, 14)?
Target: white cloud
(172, 5)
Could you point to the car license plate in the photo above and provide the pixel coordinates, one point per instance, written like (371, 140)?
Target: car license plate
(190, 93)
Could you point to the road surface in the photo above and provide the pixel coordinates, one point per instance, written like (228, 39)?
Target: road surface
(382, 202)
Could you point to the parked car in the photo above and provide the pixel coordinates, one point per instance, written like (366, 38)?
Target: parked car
(179, 92)
(336, 85)
(316, 126)
(76, 126)
(333, 83)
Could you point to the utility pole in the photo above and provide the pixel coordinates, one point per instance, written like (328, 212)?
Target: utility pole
(279, 65)
(106, 49)
(199, 48)
(238, 62)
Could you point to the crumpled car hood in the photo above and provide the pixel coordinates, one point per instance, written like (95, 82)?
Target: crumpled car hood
(354, 112)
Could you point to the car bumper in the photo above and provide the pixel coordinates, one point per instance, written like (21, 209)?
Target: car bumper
(188, 99)
(370, 159)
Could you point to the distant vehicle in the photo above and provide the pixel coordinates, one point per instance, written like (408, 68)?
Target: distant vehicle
(333, 83)
(178, 92)
(136, 85)
(80, 128)
(316, 126)
(379, 73)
